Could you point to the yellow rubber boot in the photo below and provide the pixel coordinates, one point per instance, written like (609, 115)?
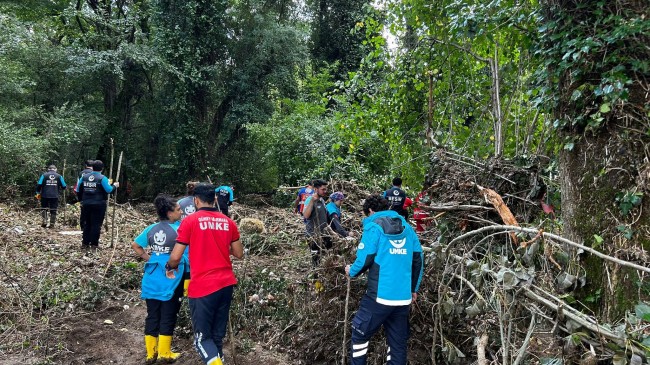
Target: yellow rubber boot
(216, 361)
(186, 284)
(165, 354)
(151, 343)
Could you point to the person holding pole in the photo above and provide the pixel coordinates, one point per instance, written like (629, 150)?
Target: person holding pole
(315, 213)
(47, 191)
(391, 253)
(93, 190)
(212, 237)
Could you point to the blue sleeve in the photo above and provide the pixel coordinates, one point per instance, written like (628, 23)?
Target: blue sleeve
(76, 189)
(307, 201)
(39, 184)
(142, 240)
(417, 269)
(107, 187)
(63, 185)
(331, 210)
(383, 194)
(366, 251)
(232, 195)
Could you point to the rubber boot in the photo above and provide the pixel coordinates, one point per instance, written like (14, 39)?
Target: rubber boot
(151, 343)
(44, 215)
(165, 354)
(216, 361)
(52, 220)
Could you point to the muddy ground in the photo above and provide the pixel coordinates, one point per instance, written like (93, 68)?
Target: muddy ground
(65, 305)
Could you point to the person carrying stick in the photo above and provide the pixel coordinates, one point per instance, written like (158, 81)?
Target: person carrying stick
(391, 253)
(93, 190)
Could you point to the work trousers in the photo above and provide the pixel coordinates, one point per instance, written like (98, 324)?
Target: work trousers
(209, 320)
(372, 315)
(92, 217)
(162, 314)
(49, 205)
(316, 245)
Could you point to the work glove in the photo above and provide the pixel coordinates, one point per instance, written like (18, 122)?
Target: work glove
(37, 196)
(116, 184)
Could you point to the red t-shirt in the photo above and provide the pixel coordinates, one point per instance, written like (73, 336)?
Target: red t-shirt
(209, 234)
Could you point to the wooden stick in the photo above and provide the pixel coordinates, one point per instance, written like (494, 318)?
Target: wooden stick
(232, 340)
(117, 176)
(110, 176)
(480, 349)
(64, 192)
(110, 170)
(456, 207)
(344, 351)
(110, 260)
(554, 237)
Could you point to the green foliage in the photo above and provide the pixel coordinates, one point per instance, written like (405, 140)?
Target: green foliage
(333, 39)
(627, 200)
(593, 55)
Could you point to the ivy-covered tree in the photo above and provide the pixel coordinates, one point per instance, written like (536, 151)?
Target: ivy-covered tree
(597, 65)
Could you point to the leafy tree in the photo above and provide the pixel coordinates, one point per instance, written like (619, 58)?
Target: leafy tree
(333, 40)
(596, 65)
(229, 63)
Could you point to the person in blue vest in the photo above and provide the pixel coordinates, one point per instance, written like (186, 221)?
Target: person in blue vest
(397, 197)
(47, 191)
(225, 197)
(334, 214)
(92, 190)
(162, 295)
(187, 202)
(391, 253)
(88, 168)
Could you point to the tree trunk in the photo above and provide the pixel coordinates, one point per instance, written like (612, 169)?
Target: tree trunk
(605, 166)
(592, 175)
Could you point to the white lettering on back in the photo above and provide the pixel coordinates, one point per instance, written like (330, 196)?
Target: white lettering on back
(213, 223)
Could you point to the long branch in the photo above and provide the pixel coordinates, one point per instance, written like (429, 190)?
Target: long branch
(552, 236)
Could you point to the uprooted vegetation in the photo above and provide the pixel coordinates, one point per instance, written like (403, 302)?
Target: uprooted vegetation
(491, 294)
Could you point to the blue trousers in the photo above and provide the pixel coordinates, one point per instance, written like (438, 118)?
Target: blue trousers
(369, 318)
(209, 321)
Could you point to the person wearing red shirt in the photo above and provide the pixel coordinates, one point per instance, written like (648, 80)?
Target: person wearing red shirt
(420, 215)
(212, 237)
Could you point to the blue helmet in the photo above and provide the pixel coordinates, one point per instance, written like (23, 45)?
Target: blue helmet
(337, 195)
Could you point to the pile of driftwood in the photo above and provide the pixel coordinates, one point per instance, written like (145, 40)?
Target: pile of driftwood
(498, 281)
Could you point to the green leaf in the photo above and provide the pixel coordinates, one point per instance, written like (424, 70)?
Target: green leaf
(599, 241)
(605, 108)
(641, 310)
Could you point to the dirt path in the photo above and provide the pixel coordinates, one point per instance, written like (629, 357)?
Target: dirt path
(62, 305)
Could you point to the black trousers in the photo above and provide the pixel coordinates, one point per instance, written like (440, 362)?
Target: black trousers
(50, 205)
(92, 217)
(162, 315)
(209, 322)
(316, 244)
